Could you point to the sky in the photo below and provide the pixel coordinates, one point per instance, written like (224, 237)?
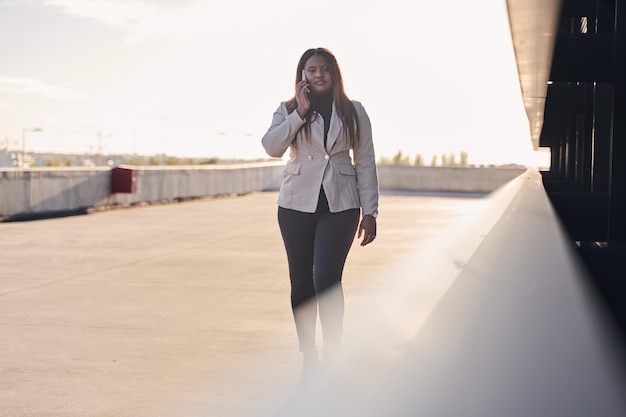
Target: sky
(194, 78)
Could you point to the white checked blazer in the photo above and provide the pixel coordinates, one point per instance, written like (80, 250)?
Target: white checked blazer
(312, 166)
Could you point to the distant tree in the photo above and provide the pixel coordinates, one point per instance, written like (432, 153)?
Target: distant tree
(445, 159)
(209, 161)
(154, 160)
(452, 159)
(53, 162)
(134, 160)
(463, 159)
(400, 159)
(58, 162)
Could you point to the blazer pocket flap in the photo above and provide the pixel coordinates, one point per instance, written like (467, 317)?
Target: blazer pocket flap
(293, 169)
(347, 169)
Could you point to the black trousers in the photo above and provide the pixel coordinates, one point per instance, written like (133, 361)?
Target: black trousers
(317, 246)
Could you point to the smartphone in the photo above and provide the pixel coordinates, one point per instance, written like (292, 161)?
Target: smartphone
(304, 75)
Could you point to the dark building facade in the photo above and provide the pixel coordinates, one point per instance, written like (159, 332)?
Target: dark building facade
(572, 64)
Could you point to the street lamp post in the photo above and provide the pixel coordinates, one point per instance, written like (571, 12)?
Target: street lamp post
(28, 129)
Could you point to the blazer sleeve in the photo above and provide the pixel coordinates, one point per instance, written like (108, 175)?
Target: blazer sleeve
(365, 164)
(282, 132)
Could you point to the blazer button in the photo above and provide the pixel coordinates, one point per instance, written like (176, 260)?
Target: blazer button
(310, 157)
(326, 156)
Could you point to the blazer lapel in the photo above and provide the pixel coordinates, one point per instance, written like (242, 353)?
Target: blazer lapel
(333, 130)
(317, 129)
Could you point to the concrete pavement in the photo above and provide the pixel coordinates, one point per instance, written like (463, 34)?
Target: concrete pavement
(175, 310)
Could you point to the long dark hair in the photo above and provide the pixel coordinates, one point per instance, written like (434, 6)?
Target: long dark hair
(343, 105)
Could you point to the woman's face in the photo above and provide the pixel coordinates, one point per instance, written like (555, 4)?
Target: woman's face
(318, 75)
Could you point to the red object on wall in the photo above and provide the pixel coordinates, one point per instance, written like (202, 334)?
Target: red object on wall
(123, 180)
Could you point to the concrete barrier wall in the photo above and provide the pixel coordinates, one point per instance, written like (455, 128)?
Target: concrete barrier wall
(168, 183)
(43, 190)
(33, 192)
(47, 190)
(453, 179)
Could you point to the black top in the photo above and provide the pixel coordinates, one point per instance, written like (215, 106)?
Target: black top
(323, 105)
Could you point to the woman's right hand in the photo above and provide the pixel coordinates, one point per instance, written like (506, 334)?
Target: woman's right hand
(302, 97)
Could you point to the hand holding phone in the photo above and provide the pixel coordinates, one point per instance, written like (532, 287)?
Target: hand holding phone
(302, 95)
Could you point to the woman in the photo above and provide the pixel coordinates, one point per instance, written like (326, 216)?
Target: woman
(322, 194)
